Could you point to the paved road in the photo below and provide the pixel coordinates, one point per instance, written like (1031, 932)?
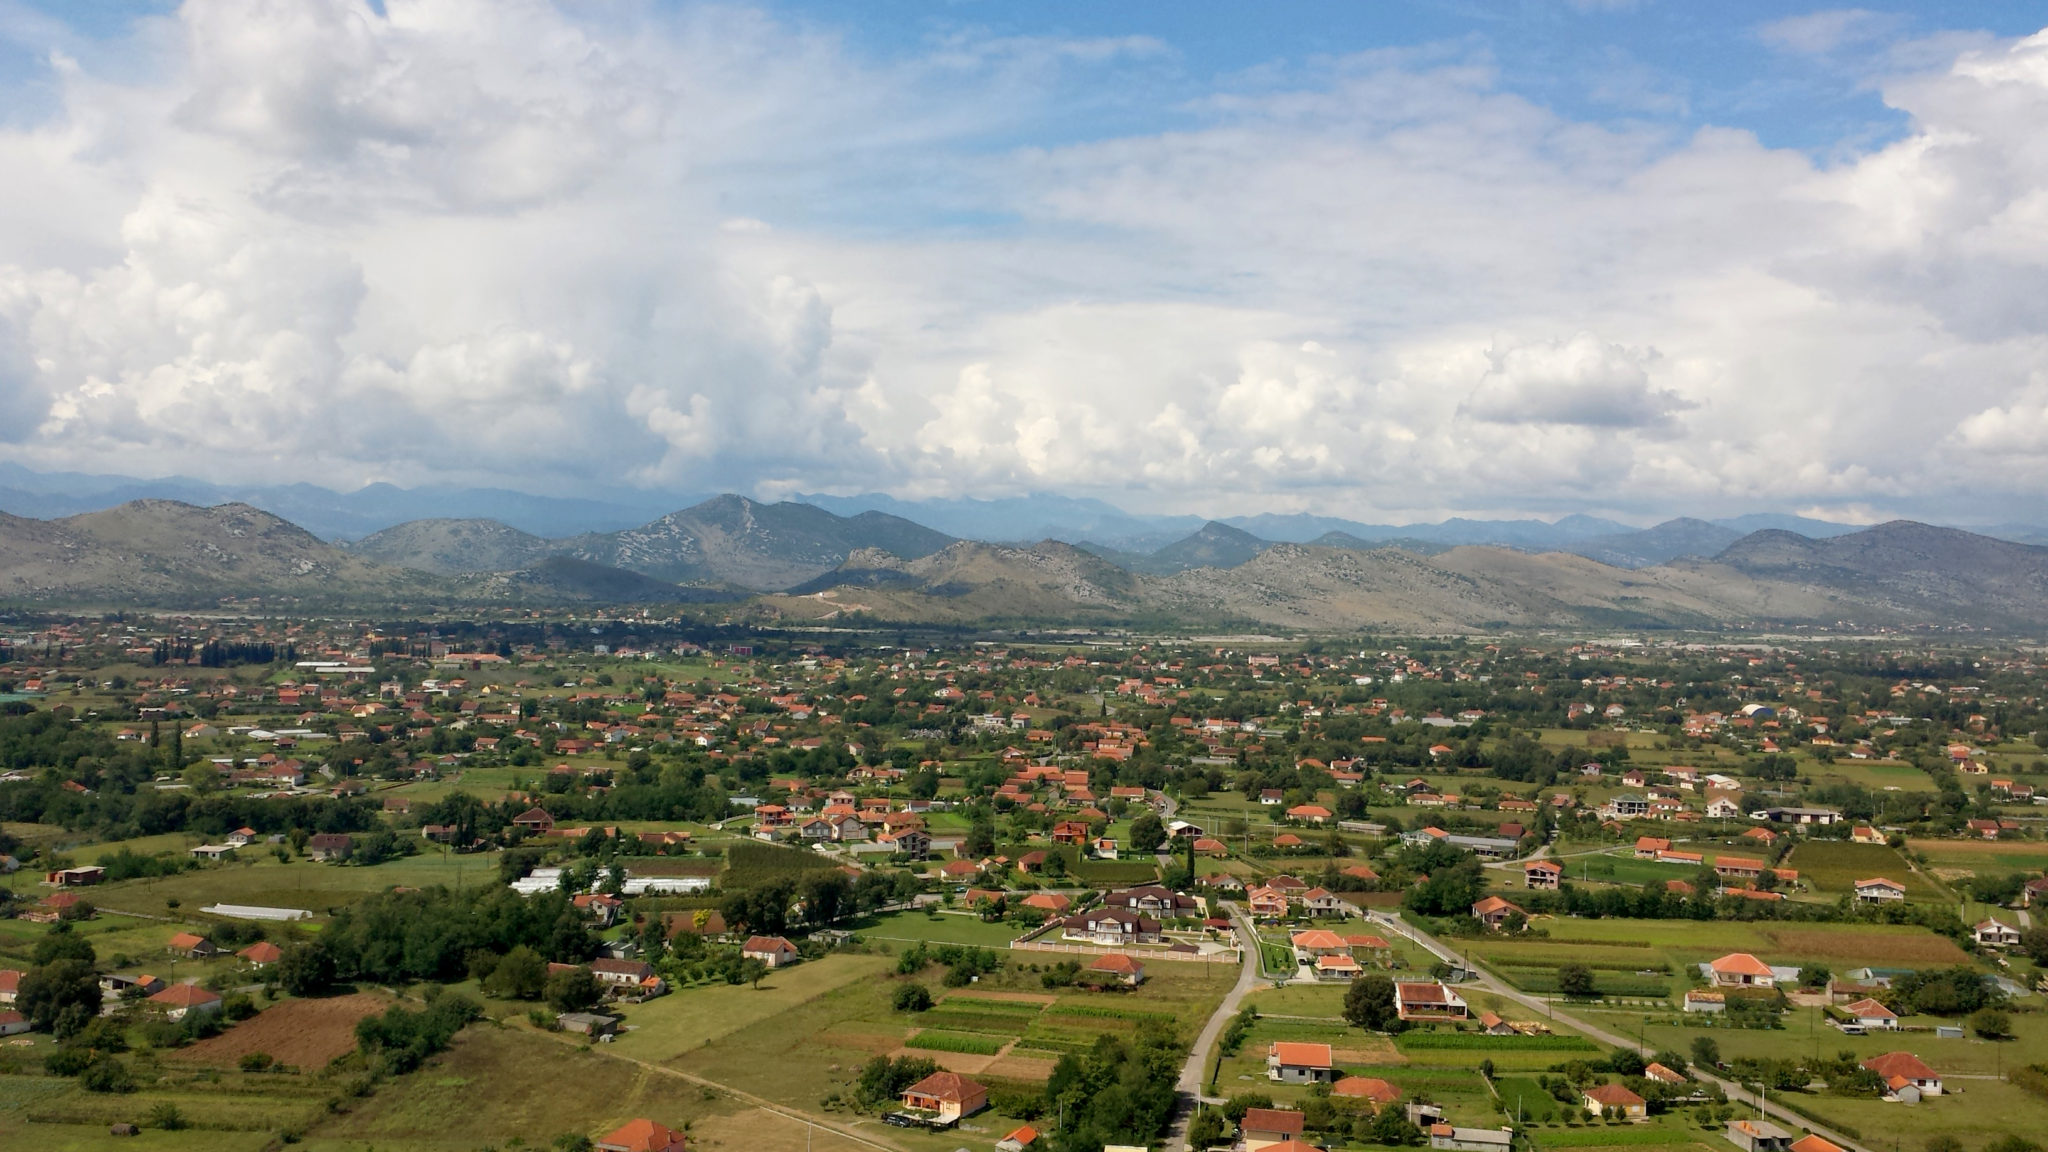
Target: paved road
(1735, 1091)
(1189, 1087)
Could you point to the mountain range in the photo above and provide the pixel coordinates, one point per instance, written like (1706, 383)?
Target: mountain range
(795, 562)
(1100, 526)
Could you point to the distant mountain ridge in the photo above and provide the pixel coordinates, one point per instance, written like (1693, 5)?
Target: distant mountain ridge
(793, 561)
(725, 542)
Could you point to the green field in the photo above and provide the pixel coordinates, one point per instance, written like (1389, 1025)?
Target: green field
(1983, 857)
(1627, 946)
(1621, 867)
(316, 887)
(1832, 867)
(667, 1027)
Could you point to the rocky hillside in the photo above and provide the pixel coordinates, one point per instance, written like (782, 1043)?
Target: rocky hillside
(167, 553)
(452, 546)
(734, 540)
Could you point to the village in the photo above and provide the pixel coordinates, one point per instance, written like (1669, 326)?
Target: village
(1463, 894)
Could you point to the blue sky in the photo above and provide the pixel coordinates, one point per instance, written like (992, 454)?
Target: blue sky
(1386, 259)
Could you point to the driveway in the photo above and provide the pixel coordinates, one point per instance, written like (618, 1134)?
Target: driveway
(1189, 1088)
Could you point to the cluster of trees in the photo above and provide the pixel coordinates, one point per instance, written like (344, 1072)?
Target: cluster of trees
(60, 992)
(963, 962)
(522, 974)
(1957, 991)
(882, 1079)
(401, 1039)
(434, 934)
(1455, 879)
(222, 653)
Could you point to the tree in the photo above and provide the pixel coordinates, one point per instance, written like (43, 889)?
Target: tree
(61, 990)
(1148, 832)
(753, 970)
(1392, 1127)
(1369, 1003)
(574, 990)
(520, 974)
(2034, 942)
(306, 969)
(1205, 1129)
(1706, 1052)
(1574, 980)
(1991, 1023)
(981, 837)
(913, 998)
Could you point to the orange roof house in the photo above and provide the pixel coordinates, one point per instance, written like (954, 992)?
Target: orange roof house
(641, 1135)
(1740, 969)
(1380, 1092)
(948, 1094)
(1120, 968)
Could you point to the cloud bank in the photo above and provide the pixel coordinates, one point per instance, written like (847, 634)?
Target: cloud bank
(563, 248)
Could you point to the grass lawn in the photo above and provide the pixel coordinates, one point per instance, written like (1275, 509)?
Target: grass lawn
(939, 927)
(166, 842)
(1622, 867)
(306, 884)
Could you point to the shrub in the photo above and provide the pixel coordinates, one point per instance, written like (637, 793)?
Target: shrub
(256, 1061)
(107, 1074)
(166, 1116)
(913, 998)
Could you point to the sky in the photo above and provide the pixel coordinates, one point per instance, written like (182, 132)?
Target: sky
(1395, 260)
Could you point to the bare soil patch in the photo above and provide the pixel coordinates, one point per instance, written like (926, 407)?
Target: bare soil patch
(1368, 1051)
(304, 1034)
(967, 1063)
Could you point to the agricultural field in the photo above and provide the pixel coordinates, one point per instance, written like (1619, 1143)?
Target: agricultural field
(1653, 959)
(299, 1034)
(1831, 868)
(516, 1085)
(1982, 857)
(665, 1028)
(1876, 775)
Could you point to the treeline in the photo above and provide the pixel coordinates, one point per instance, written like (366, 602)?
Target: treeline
(124, 815)
(1656, 903)
(221, 654)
